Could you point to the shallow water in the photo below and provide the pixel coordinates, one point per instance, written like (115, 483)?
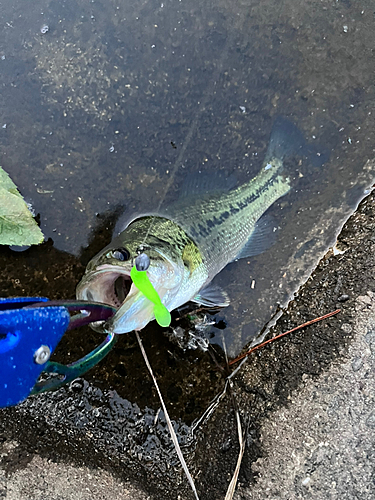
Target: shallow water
(117, 101)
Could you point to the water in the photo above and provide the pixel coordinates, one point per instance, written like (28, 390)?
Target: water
(116, 97)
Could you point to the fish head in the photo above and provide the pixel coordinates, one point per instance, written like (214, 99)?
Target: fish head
(107, 280)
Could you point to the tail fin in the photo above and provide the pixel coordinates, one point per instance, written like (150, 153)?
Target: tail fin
(287, 140)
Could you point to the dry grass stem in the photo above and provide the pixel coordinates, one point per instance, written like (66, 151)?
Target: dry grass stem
(169, 423)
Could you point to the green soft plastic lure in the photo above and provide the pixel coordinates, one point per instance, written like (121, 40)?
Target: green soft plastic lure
(144, 285)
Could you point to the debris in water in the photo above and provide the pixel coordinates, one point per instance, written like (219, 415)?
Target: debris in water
(44, 29)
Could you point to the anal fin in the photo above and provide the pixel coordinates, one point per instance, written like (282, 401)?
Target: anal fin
(261, 239)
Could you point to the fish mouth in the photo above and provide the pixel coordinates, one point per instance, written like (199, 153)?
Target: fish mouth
(107, 284)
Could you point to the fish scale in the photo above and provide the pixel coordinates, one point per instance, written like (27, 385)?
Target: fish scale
(189, 242)
(187, 245)
(203, 219)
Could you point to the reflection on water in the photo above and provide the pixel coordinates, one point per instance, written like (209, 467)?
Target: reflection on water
(117, 100)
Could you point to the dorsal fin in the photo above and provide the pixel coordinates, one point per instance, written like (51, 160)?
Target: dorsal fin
(202, 183)
(127, 218)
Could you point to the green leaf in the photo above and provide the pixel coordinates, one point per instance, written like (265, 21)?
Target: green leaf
(17, 225)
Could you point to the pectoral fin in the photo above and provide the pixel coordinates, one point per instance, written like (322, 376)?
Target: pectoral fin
(212, 296)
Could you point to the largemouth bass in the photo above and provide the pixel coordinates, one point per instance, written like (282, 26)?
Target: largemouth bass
(190, 242)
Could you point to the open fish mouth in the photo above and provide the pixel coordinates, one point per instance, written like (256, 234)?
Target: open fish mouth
(107, 284)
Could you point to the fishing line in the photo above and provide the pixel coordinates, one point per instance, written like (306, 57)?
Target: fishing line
(142, 261)
(179, 159)
(202, 107)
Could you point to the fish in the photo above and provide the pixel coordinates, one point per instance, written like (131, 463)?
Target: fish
(192, 240)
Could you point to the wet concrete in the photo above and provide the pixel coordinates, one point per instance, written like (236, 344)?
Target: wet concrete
(321, 443)
(43, 479)
(307, 401)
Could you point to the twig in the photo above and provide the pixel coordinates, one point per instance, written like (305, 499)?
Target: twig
(242, 356)
(241, 436)
(169, 423)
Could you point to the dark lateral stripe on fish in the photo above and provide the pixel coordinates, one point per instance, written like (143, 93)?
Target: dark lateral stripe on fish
(203, 229)
(257, 194)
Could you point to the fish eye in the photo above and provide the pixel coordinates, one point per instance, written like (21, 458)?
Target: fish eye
(119, 254)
